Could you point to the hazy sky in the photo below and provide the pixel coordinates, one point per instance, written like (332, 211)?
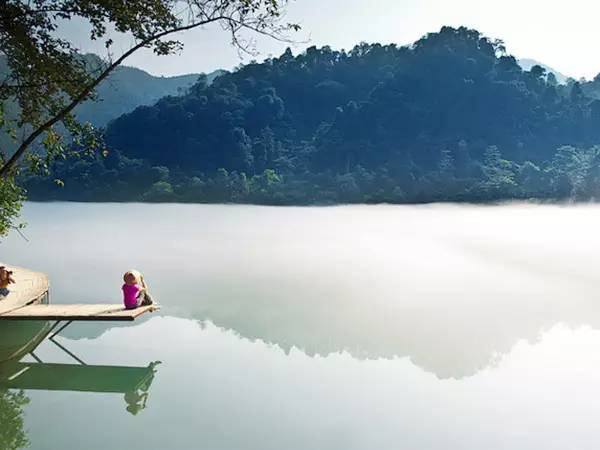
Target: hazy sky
(563, 35)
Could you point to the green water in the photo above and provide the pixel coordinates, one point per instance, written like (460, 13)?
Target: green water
(437, 327)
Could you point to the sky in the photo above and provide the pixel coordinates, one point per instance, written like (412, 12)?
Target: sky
(563, 35)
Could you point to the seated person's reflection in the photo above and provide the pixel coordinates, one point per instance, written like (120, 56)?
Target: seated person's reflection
(136, 400)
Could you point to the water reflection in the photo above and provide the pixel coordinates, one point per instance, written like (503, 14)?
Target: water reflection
(78, 378)
(17, 338)
(449, 287)
(218, 390)
(17, 377)
(137, 397)
(12, 431)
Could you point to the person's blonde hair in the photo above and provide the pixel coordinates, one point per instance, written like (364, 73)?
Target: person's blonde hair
(139, 278)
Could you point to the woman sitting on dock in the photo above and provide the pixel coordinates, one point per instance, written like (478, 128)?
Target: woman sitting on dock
(135, 291)
(6, 279)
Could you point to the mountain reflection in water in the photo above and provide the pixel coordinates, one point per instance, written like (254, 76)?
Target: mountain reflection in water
(451, 287)
(351, 328)
(218, 390)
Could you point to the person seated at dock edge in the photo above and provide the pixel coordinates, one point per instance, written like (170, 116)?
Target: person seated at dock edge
(5, 280)
(135, 291)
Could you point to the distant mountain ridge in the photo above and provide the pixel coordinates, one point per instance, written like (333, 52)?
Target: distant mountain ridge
(527, 64)
(129, 87)
(122, 92)
(126, 89)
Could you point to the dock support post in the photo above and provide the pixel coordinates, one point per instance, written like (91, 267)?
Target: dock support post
(60, 329)
(68, 352)
(34, 356)
(59, 345)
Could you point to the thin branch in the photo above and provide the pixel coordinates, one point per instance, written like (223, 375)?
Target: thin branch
(12, 162)
(232, 24)
(18, 230)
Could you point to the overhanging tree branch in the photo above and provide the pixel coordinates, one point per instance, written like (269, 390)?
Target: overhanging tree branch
(47, 77)
(232, 24)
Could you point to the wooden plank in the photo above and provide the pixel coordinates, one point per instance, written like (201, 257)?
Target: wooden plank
(132, 314)
(43, 311)
(102, 312)
(29, 287)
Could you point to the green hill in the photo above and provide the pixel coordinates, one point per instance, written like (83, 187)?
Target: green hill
(129, 87)
(451, 117)
(123, 91)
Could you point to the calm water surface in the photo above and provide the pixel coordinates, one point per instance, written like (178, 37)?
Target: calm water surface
(387, 327)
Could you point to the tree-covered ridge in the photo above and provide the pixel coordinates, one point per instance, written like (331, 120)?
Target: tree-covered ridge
(528, 63)
(128, 87)
(451, 117)
(124, 90)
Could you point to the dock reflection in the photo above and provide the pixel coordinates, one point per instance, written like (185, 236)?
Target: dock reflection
(76, 377)
(15, 374)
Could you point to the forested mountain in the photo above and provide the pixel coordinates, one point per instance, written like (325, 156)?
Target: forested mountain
(451, 117)
(123, 91)
(128, 87)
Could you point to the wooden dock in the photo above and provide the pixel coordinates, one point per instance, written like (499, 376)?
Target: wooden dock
(29, 287)
(27, 300)
(77, 312)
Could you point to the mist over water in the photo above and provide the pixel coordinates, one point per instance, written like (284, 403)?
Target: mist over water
(448, 286)
(327, 327)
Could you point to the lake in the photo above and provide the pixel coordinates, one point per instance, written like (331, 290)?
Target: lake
(353, 327)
